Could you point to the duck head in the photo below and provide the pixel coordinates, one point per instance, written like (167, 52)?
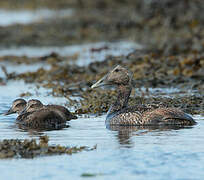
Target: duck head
(17, 106)
(32, 105)
(117, 76)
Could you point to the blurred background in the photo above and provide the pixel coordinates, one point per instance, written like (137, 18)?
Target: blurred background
(168, 25)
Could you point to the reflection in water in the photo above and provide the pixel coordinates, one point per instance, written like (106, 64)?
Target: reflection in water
(40, 130)
(126, 132)
(30, 132)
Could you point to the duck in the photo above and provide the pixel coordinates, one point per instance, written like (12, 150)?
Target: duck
(61, 109)
(18, 105)
(37, 116)
(121, 114)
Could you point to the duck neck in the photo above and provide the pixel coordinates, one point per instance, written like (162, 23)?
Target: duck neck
(122, 98)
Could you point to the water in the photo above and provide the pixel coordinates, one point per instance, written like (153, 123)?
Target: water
(140, 154)
(120, 154)
(83, 52)
(10, 17)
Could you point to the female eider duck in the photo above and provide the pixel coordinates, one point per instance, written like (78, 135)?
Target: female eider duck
(38, 116)
(19, 105)
(140, 115)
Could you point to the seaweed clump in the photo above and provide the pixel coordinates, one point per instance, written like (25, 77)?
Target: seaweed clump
(15, 148)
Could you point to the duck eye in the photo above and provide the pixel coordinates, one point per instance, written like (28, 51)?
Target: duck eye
(117, 70)
(32, 106)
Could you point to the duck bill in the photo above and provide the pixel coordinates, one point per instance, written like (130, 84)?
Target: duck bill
(10, 111)
(100, 82)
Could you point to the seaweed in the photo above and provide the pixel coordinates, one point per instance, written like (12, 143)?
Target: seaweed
(30, 148)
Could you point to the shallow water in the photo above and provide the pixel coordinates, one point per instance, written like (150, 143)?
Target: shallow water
(84, 53)
(120, 154)
(21, 68)
(10, 17)
(129, 154)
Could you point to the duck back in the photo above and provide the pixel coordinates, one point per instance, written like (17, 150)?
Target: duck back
(63, 111)
(42, 119)
(167, 116)
(150, 117)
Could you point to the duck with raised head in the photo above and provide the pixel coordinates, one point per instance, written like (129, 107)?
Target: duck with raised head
(18, 106)
(139, 115)
(38, 116)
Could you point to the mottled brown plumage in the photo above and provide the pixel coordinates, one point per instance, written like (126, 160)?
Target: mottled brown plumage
(139, 115)
(41, 119)
(19, 105)
(38, 116)
(64, 112)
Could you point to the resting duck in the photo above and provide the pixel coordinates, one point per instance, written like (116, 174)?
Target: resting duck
(38, 116)
(19, 105)
(139, 115)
